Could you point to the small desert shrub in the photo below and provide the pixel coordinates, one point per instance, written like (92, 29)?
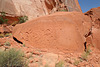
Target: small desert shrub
(3, 14)
(8, 34)
(76, 62)
(2, 18)
(59, 64)
(7, 44)
(88, 50)
(23, 44)
(1, 35)
(12, 58)
(14, 23)
(5, 35)
(23, 19)
(85, 54)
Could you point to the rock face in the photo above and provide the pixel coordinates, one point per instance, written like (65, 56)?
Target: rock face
(96, 38)
(62, 31)
(94, 14)
(72, 5)
(36, 8)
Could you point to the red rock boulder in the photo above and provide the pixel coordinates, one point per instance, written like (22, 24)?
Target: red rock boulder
(62, 31)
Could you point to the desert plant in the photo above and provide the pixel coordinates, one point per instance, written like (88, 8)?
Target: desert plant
(88, 50)
(7, 43)
(1, 35)
(76, 62)
(3, 14)
(12, 58)
(8, 34)
(23, 44)
(84, 56)
(2, 18)
(23, 19)
(59, 64)
(14, 23)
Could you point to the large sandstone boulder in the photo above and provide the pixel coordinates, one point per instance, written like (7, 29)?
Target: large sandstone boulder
(36, 8)
(62, 31)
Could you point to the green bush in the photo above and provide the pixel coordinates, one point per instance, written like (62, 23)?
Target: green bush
(86, 54)
(5, 35)
(23, 44)
(2, 18)
(23, 19)
(76, 62)
(8, 34)
(12, 58)
(60, 64)
(7, 44)
(14, 23)
(88, 51)
(1, 35)
(3, 14)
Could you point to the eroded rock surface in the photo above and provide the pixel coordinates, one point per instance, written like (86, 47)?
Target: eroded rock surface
(94, 14)
(36, 8)
(62, 31)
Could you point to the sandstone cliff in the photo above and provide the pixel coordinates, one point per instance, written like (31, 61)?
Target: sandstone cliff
(36, 8)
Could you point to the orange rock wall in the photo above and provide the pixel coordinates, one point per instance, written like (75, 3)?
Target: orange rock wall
(36, 8)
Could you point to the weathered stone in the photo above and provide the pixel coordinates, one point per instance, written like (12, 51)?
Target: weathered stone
(36, 8)
(94, 14)
(28, 55)
(60, 31)
(72, 5)
(50, 59)
(33, 65)
(5, 30)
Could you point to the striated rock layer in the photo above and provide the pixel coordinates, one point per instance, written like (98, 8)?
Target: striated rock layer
(62, 31)
(36, 8)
